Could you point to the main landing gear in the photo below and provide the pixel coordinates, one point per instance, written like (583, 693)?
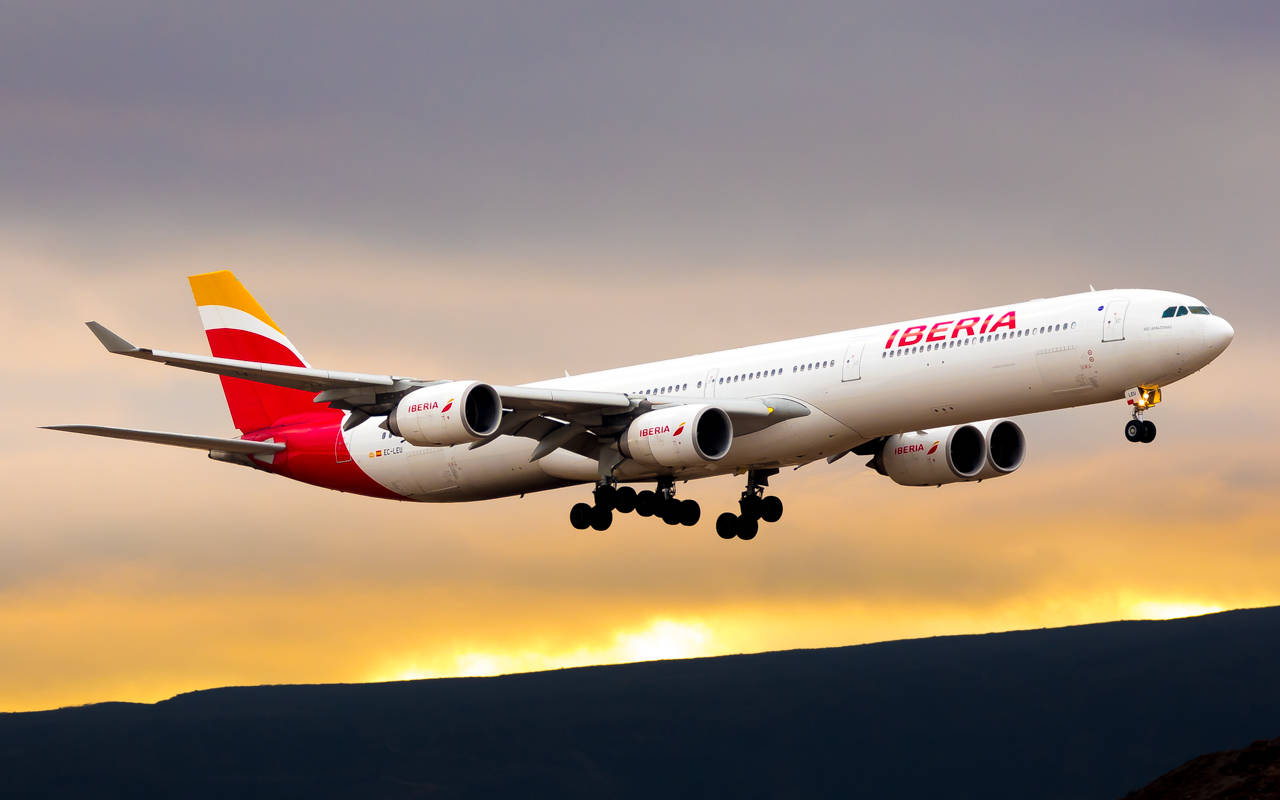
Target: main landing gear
(1139, 429)
(624, 499)
(754, 507)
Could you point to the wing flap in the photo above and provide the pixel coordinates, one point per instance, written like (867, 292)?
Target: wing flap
(565, 400)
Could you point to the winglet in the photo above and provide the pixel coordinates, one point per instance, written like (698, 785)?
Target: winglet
(112, 342)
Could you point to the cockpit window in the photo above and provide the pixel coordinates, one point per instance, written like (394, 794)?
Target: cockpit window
(1199, 310)
(1168, 312)
(1182, 311)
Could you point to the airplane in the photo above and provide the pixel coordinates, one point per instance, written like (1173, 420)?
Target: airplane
(927, 400)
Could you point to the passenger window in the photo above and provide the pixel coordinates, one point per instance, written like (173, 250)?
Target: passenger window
(1182, 311)
(1168, 312)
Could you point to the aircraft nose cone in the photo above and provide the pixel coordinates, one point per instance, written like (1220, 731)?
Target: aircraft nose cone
(1218, 333)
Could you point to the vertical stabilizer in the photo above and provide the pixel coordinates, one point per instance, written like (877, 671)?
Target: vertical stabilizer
(238, 327)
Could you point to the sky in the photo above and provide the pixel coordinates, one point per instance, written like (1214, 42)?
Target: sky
(504, 191)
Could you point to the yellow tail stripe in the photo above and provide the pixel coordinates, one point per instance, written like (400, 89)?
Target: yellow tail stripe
(223, 288)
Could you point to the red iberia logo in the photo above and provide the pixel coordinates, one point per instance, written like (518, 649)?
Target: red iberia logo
(933, 449)
(679, 430)
(447, 406)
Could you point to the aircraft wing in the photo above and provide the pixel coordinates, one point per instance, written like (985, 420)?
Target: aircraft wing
(304, 378)
(368, 395)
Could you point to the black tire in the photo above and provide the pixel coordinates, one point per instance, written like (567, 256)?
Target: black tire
(727, 525)
(770, 509)
(605, 495)
(748, 527)
(690, 512)
(580, 516)
(750, 506)
(1148, 431)
(1133, 430)
(624, 500)
(601, 518)
(671, 511)
(646, 503)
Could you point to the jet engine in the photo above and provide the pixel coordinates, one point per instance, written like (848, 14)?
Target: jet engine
(933, 457)
(678, 436)
(447, 414)
(972, 452)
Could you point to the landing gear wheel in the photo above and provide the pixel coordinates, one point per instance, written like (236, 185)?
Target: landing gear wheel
(580, 516)
(747, 528)
(770, 508)
(727, 525)
(671, 511)
(624, 499)
(646, 503)
(601, 518)
(690, 512)
(750, 505)
(1148, 431)
(1133, 430)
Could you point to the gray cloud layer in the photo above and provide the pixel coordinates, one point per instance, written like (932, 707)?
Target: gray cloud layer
(756, 132)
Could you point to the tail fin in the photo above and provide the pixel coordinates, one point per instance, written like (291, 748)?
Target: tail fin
(238, 327)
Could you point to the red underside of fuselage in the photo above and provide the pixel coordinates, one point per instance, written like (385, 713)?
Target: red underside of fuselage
(315, 453)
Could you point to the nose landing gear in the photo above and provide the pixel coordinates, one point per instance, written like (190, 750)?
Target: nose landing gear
(754, 506)
(1139, 429)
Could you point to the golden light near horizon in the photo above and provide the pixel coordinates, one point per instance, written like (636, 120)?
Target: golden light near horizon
(1165, 609)
(663, 639)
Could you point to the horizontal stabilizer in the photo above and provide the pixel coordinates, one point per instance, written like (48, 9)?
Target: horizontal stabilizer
(210, 443)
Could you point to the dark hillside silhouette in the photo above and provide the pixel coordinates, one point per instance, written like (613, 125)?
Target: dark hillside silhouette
(1252, 773)
(1085, 712)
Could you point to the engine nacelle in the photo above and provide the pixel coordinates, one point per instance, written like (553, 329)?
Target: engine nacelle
(679, 436)
(447, 414)
(929, 458)
(1006, 447)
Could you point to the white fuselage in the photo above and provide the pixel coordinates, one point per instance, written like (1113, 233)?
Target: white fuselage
(858, 385)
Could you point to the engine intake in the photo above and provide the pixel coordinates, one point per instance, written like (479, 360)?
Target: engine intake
(1006, 447)
(679, 436)
(447, 414)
